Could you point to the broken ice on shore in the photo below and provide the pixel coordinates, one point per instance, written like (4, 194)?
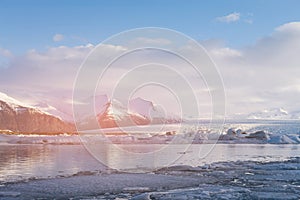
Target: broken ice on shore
(262, 132)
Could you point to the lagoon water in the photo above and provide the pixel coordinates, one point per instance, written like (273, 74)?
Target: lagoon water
(20, 162)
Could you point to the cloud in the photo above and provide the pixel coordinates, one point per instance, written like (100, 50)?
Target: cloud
(256, 77)
(46, 76)
(278, 50)
(5, 53)
(225, 52)
(232, 17)
(292, 27)
(52, 69)
(268, 70)
(58, 37)
(5, 56)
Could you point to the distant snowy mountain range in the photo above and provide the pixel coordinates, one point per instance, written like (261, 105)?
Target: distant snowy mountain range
(42, 117)
(274, 113)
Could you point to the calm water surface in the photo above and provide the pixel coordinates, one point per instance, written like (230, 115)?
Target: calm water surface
(22, 162)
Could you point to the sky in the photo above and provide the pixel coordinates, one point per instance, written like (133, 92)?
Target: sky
(254, 44)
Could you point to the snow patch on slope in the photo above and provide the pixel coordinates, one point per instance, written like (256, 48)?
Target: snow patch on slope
(13, 103)
(51, 110)
(20, 107)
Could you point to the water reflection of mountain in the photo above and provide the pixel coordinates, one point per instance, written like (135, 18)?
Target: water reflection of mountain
(19, 162)
(20, 159)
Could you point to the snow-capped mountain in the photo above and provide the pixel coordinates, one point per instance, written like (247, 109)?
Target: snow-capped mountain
(19, 117)
(11, 102)
(114, 114)
(151, 111)
(63, 114)
(117, 115)
(141, 106)
(42, 117)
(274, 113)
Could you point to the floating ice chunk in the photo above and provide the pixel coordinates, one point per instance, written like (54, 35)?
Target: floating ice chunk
(231, 132)
(284, 139)
(241, 133)
(258, 135)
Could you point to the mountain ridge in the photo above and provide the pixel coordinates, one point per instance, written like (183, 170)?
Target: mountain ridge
(19, 117)
(44, 118)
(273, 113)
(115, 114)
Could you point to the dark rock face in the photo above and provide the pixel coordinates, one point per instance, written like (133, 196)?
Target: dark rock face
(30, 120)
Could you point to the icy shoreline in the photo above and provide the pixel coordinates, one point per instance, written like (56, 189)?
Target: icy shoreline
(249, 132)
(226, 180)
(231, 137)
